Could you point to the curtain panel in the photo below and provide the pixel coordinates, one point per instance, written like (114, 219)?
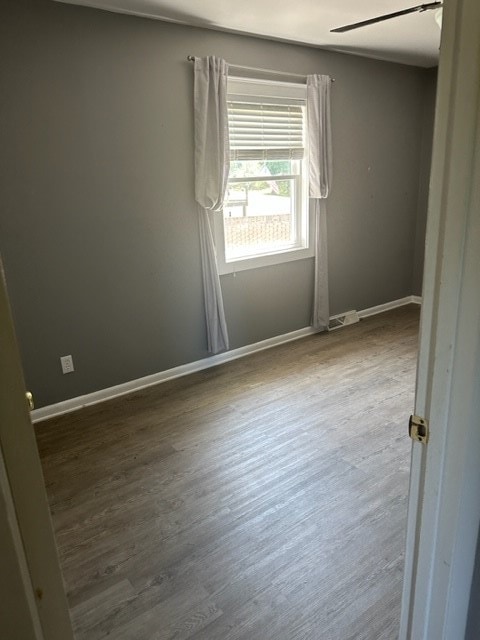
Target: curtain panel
(320, 177)
(212, 164)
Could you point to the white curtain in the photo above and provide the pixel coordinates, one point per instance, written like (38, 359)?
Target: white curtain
(212, 163)
(320, 177)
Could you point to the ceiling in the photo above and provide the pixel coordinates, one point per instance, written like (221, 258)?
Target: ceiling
(413, 39)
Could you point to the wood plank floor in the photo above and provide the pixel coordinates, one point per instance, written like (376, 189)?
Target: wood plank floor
(263, 499)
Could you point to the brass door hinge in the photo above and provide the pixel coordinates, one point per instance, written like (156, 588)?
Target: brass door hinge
(418, 429)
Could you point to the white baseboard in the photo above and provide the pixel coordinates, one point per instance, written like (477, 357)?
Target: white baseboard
(73, 404)
(169, 374)
(380, 308)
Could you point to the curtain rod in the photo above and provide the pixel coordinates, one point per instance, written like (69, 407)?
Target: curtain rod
(259, 69)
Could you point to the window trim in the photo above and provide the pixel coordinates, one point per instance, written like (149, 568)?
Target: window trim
(264, 89)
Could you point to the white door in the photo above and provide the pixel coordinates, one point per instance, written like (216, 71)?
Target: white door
(35, 601)
(444, 504)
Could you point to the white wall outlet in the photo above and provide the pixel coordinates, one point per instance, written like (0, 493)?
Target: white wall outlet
(67, 364)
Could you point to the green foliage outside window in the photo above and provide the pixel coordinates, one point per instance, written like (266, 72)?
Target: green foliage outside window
(254, 168)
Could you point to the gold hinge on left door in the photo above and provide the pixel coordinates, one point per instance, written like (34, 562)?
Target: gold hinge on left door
(30, 403)
(418, 429)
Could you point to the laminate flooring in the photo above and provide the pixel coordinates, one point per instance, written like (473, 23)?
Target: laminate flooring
(262, 499)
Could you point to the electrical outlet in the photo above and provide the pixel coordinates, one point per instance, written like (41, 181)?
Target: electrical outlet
(67, 364)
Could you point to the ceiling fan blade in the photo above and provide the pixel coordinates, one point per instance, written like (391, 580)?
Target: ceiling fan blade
(388, 16)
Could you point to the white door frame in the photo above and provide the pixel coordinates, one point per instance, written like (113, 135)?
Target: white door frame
(444, 502)
(22, 492)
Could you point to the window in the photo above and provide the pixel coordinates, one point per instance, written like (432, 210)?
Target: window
(265, 215)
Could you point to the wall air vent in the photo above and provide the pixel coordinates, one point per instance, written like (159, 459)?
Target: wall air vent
(342, 320)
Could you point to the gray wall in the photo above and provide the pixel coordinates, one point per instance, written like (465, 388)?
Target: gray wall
(97, 224)
(430, 89)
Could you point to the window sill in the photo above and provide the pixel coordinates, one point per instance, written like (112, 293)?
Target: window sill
(257, 262)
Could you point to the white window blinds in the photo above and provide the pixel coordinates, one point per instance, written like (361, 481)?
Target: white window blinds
(265, 131)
